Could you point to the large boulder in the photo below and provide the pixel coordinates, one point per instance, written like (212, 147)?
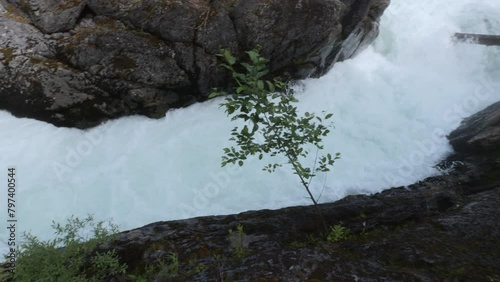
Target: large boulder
(78, 63)
(479, 132)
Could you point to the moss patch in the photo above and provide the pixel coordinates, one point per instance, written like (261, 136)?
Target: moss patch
(13, 14)
(109, 23)
(68, 4)
(7, 54)
(123, 62)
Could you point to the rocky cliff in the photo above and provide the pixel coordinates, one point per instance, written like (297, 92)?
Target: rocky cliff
(444, 228)
(77, 63)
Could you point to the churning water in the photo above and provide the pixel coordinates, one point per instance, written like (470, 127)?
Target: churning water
(393, 106)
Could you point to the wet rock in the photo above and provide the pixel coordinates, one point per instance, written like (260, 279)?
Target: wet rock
(78, 63)
(479, 132)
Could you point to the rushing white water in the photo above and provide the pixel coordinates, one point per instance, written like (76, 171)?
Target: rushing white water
(392, 105)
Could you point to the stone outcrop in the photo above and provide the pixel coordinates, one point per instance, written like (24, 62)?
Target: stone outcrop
(444, 228)
(479, 132)
(457, 237)
(77, 63)
(432, 231)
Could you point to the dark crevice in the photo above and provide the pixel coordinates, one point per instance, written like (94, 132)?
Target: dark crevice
(357, 11)
(232, 19)
(196, 69)
(85, 14)
(312, 58)
(273, 53)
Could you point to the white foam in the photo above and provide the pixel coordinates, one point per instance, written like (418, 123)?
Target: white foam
(392, 105)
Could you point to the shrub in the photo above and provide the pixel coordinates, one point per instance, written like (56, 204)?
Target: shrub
(337, 233)
(273, 125)
(171, 269)
(238, 241)
(71, 256)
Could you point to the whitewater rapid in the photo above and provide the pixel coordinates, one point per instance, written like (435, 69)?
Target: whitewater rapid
(393, 106)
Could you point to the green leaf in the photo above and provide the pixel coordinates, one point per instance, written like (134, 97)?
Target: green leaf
(254, 56)
(230, 59)
(255, 127)
(244, 131)
(260, 85)
(248, 67)
(260, 74)
(271, 86)
(241, 89)
(214, 94)
(328, 116)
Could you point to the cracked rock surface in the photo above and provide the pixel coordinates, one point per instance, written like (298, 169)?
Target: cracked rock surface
(78, 63)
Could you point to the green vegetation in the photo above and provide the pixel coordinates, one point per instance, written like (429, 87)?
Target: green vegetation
(273, 126)
(159, 270)
(171, 269)
(238, 241)
(338, 233)
(71, 256)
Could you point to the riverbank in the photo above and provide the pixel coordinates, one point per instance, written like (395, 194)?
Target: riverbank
(442, 228)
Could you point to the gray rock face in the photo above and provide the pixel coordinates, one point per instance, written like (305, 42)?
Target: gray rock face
(78, 63)
(51, 15)
(479, 132)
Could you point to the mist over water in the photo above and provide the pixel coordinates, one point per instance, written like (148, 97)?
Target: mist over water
(393, 106)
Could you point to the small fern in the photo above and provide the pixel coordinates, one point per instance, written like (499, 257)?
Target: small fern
(338, 233)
